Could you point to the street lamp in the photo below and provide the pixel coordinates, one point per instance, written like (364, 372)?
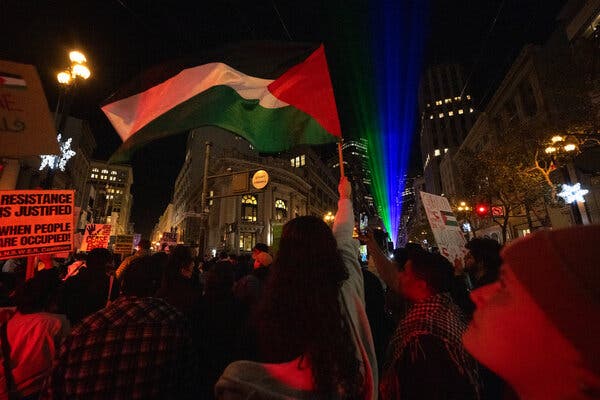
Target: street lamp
(329, 217)
(68, 80)
(565, 147)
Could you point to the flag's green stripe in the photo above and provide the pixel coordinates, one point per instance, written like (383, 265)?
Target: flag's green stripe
(451, 223)
(266, 129)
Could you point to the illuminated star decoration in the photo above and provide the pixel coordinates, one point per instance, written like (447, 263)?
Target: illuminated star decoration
(573, 193)
(59, 161)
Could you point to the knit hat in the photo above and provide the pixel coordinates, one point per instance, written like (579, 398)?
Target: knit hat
(561, 270)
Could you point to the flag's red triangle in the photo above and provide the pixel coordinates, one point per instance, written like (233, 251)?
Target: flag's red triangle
(307, 86)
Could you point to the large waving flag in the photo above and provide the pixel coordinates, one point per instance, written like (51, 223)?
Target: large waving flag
(274, 95)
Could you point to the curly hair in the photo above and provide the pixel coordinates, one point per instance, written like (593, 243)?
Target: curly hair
(299, 313)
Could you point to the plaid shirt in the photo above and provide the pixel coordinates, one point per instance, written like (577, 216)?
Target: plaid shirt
(136, 348)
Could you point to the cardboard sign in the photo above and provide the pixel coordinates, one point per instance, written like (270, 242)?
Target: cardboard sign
(123, 244)
(448, 235)
(95, 236)
(26, 126)
(35, 222)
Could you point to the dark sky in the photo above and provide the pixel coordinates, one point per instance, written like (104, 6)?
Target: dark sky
(122, 37)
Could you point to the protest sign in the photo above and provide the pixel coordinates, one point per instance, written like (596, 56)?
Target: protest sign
(35, 222)
(168, 239)
(26, 126)
(95, 236)
(448, 235)
(123, 244)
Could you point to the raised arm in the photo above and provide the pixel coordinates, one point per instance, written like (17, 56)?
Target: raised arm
(386, 268)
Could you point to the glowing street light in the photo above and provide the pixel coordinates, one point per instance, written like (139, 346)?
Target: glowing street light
(329, 217)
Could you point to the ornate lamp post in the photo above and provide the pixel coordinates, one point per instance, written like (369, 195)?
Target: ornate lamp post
(564, 148)
(68, 80)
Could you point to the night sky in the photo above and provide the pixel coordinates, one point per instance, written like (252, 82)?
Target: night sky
(122, 37)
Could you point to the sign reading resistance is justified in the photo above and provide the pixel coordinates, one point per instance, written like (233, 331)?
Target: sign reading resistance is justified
(35, 222)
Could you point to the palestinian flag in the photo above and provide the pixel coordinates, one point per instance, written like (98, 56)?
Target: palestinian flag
(275, 95)
(449, 218)
(12, 81)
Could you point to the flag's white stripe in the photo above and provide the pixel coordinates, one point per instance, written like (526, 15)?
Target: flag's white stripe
(130, 114)
(7, 80)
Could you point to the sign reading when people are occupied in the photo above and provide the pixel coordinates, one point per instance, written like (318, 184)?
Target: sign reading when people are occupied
(35, 222)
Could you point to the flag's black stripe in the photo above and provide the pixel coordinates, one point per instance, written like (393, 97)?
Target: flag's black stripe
(261, 59)
(9, 75)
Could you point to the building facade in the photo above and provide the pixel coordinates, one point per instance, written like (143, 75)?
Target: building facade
(447, 114)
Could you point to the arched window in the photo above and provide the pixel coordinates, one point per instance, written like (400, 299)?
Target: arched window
(249, 208)
(280, 210)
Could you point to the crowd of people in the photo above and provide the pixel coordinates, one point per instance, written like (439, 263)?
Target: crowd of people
(310, 322)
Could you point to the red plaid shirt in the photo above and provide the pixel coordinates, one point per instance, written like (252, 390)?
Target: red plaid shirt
(136, 348)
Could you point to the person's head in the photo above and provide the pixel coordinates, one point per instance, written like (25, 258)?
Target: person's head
(538, 323)
(219, 280)
(483, 255)
(262, 260)
(142, 277)
(300, 301)
(424, 274)
(37, 293)
(259, 248)
(144, 244)
(100, 260)
(179, 264)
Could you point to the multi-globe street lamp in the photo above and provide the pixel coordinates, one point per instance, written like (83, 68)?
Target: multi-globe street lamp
(563, 149)
(68, 80)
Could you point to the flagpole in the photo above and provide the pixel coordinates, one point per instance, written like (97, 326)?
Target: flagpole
(340, 142)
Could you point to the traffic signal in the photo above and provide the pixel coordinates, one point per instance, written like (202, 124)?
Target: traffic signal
(482, 209)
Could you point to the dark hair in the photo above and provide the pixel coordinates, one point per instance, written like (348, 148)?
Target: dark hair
(179, 257)
(99, 258)
(434, 269)
(261, 247)
(300, 313)
(144, 244)
(487, 252)
(36, 294)
(141, 278)
(218, 281)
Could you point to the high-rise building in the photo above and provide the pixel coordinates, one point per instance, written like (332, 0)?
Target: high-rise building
(113, 199)
(447, 114)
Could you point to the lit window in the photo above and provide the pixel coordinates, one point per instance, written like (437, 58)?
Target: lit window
(428, 105)
(247, 241)
(446, 101)
(431, 116)
(441, 115)
(438, 102)
(445, 150)
(210, 195)
(302, 160)
(249, 208)
(450, 113)
(280, 210)
(113, 172)
(457, 98)
(95, 170)
(460, 111)
(102, 176)
(436, 152)
(105, 171)
(470, 110)
(468, 97)
(292, 162)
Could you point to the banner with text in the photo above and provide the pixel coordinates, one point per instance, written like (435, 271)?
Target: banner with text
(35, 222)
(95, 236)
(123, 244)
(26, 126)
(448, 235)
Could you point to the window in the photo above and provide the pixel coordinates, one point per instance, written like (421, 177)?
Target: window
(468, 97)
(247, 241)
(431, 116)
(280, 210)
(470, 110)
(249, 208)
(210, 195)
(436, 152)
(460, 111)
(446, 101)
(438, 103)
(105, 171)
(445, 150)
(450, 113)
(298, 161)
(441, 115)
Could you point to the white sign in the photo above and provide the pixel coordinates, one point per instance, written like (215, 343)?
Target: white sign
(95, 236)
(260, 179)
(446, 231)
